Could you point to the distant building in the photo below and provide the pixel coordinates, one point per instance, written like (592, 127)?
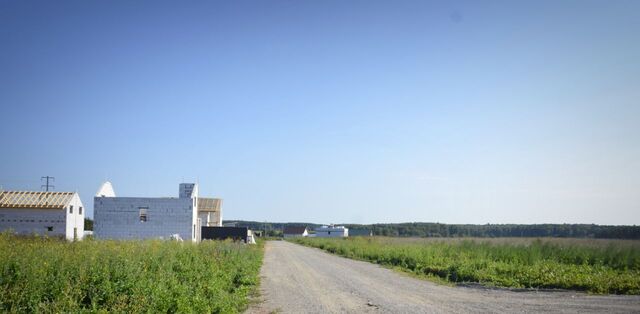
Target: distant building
(154, 217)
(293, 232)
(360, 233)
(45, 213)
(332, 231)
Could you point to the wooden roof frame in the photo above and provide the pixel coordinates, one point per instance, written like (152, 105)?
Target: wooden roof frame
(206, 204)
(35, 199)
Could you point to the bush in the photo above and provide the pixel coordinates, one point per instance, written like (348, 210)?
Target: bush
(49, 275)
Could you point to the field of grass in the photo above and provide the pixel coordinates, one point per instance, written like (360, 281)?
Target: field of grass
(52, 276)
(596, 266)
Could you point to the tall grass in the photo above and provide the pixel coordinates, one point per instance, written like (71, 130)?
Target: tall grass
(47, 275)
(599, 268)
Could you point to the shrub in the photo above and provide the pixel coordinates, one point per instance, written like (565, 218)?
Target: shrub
(49, 275)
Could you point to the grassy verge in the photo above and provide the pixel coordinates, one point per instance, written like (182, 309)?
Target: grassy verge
(612, 267)
(46, 275)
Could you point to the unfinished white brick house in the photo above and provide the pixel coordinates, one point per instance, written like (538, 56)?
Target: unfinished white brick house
(45, 213)
(154, 217)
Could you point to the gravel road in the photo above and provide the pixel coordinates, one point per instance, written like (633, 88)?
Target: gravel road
(298, 279)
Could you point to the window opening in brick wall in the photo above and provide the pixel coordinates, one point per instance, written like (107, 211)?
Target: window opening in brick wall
(143, 213)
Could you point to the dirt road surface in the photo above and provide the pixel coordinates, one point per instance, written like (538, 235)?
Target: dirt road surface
(298, 279)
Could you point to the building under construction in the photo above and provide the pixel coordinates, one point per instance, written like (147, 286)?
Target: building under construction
(42, 212)
(155, 217)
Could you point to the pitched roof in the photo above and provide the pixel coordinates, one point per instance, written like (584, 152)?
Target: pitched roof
(106, 190)
(294, 230)
(31, 199)
(209, 204)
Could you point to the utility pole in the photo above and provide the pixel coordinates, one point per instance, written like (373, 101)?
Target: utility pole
(46, 186)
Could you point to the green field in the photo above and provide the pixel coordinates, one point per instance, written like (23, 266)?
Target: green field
(53, 276)
(596, 266)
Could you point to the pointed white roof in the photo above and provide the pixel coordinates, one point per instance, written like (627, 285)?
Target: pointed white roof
(106, 190)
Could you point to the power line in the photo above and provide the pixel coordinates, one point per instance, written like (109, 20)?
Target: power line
(46, 186)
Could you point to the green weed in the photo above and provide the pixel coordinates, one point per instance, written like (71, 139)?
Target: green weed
(602, 268)
(52, 276)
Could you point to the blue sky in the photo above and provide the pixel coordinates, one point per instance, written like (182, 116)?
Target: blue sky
(331, 111)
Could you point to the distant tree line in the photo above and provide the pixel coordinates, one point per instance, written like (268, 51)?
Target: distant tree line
(271, 229)
(419, 229)
(88, 224)
(428, 229)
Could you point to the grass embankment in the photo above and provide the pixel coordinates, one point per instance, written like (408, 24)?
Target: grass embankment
(593, 266)
(53, 276)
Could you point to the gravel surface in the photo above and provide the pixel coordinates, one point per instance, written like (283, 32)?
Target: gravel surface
(298, 279)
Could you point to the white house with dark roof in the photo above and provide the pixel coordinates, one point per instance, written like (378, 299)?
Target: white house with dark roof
(295, 231)
(45, 213)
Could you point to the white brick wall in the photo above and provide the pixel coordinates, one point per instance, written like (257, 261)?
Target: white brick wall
(119, 218)
(29, 221)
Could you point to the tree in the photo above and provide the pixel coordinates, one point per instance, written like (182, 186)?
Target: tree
(88, 224)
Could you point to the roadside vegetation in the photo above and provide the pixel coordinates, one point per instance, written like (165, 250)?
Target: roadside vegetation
(596, 266)
(40, 275)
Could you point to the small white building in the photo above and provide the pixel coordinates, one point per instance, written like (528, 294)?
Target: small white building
(294, 232)
(332, 231)
(45, 213)
(154, 217)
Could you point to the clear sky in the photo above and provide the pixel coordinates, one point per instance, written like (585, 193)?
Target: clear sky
(331, 111)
